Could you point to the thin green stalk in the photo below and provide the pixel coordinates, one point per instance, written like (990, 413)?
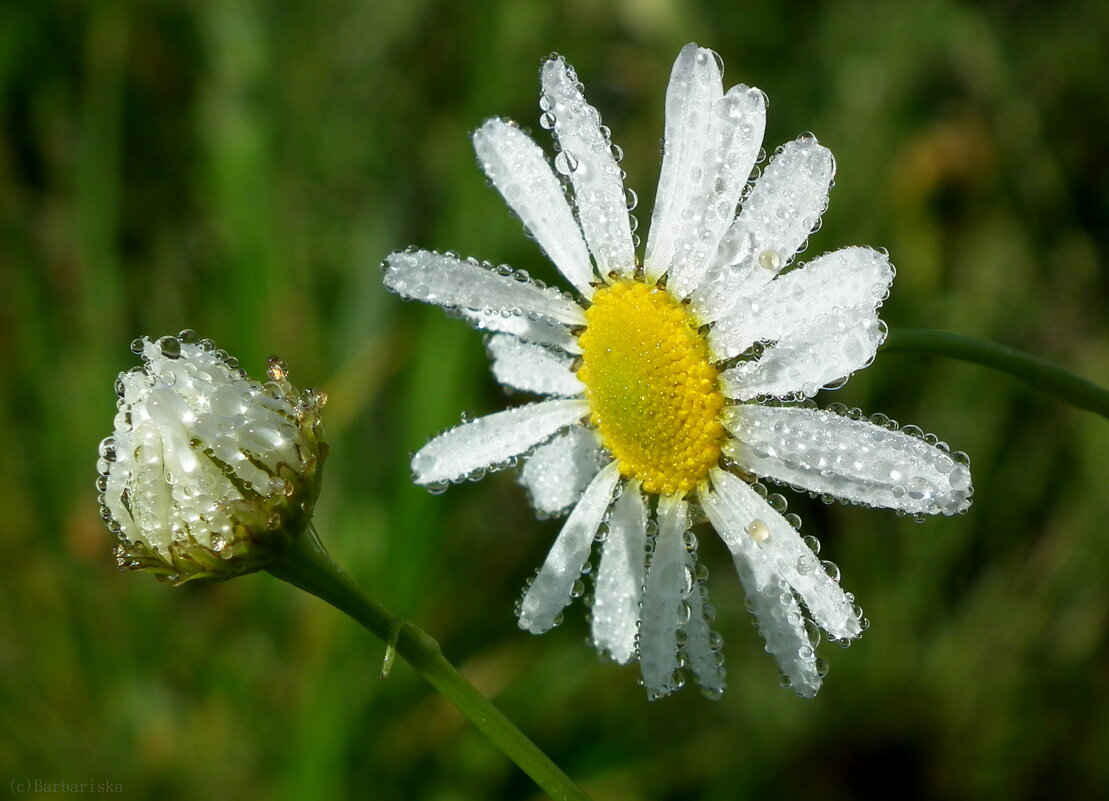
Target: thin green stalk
(1032, 370)
(308, 565)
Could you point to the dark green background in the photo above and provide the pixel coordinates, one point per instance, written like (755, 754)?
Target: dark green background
(242, 168)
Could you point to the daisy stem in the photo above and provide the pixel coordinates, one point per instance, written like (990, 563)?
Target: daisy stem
(306, 564)
(1032, 370)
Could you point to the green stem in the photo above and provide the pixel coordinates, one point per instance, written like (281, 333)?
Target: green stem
(1032, 370)
(307, 564)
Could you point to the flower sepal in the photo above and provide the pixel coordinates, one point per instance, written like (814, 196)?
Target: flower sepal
(264, 528)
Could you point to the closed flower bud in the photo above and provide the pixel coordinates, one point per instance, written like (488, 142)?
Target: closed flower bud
(209, 474)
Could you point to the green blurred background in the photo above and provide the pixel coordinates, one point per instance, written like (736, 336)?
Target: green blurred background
(242, 167)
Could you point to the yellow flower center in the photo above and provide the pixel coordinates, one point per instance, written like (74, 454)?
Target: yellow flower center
(651, 387)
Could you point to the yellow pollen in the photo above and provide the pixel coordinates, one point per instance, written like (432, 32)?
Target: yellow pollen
(651, 387)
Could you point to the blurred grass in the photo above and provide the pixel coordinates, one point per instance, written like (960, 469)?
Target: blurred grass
(242, 167)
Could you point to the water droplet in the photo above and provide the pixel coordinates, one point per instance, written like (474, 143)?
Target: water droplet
(108, 449)
(565, 162)
(959, 478)
(770, 260)
(806, 564)
(170, 347)
(812, 633)
(758, 530)
(276, 369)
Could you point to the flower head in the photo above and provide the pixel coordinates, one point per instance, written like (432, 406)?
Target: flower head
(208, 473)
(678, 382)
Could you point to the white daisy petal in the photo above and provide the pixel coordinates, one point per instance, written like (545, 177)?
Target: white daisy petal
(662, 598)
(557, 472)
(741, 115)
(855, 460)
(788, 556)
(539, 331)
(823, 352)
(692, 129)
(700, 649)
(552, 587)
(787, 200)
(784, 206)
(532, 368)
(467, 284)
(781, 621)
(490, 442)
(586, 156)
(620, 576)
(520, 171)
(711, 144)
(782, 626)
(846, 279)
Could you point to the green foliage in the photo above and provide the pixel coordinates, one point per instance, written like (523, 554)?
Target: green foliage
(242, 167)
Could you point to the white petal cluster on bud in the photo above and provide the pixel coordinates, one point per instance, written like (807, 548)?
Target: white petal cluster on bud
(209, 473)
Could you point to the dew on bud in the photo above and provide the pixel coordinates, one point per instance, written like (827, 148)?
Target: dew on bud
(205, 477)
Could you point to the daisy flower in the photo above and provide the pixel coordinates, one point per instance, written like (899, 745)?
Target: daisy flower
(677, 382)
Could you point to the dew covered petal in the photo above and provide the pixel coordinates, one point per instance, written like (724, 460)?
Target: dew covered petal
(540, 331)
(586, 156)
(468, 284)
(552, 587)
(662, 599)
(712, 140)
(557, 472)
(782, 626)
(520, 171)
(491, 442)
(786, 554)
(701, 646)
(742, 116)
(783, 207)
(532, 368)
(854, 460)
(824, 352)
(691, 130)
(847, 279)
(776, 609)
(620, 576)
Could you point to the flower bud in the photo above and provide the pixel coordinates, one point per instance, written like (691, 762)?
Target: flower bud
(209, 473)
